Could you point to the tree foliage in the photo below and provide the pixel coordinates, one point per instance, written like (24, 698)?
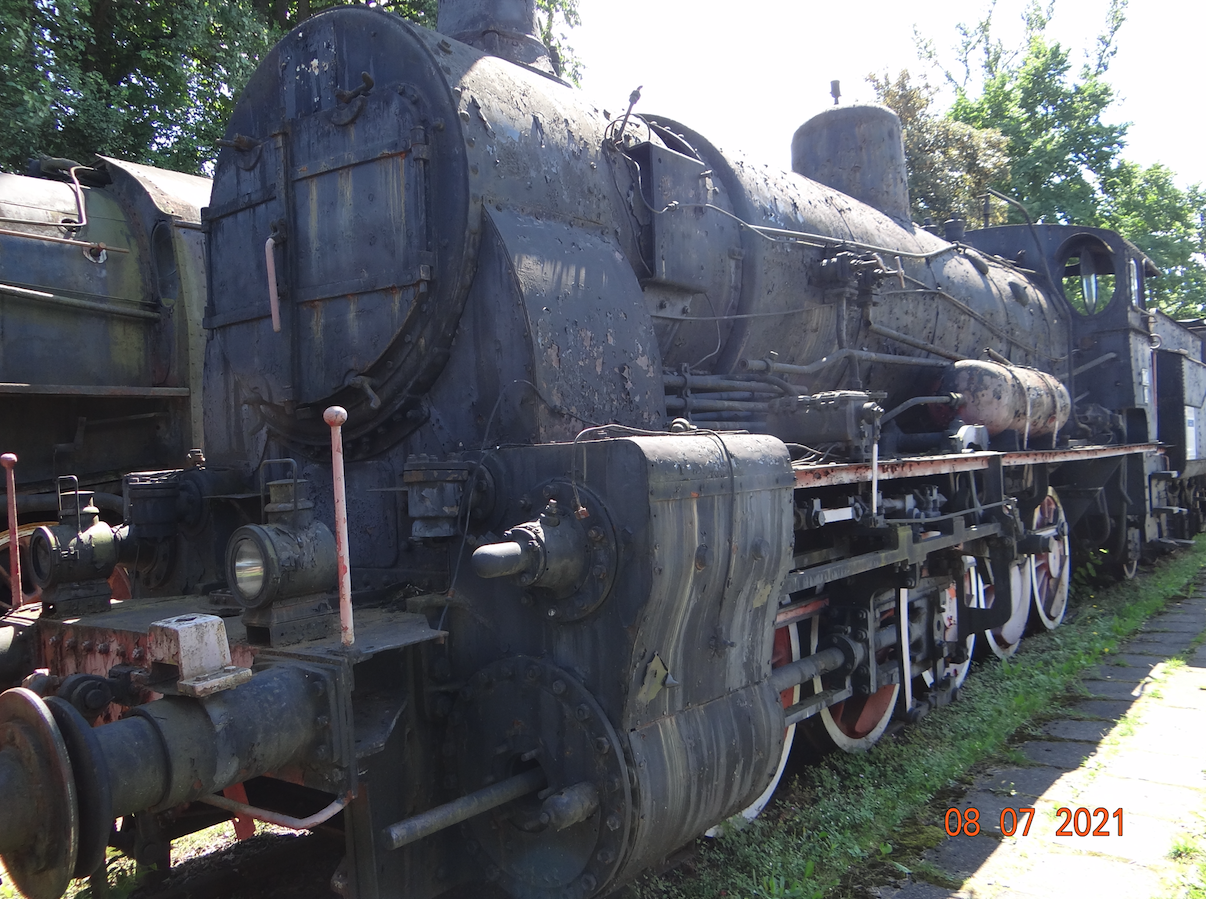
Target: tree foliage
(154, 81)
(1064, 159)
(147, 80)
(950, 163)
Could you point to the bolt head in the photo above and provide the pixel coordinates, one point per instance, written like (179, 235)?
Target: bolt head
(613, 822)
(558, 687)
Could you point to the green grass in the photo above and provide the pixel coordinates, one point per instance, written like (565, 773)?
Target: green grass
(836, 818)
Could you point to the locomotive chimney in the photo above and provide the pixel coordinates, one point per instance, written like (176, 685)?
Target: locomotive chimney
(505, 28)
(858, 150)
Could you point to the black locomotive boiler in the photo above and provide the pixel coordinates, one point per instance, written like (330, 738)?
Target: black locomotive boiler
(559, 466)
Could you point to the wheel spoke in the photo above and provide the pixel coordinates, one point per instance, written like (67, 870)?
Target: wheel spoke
(1050, 571)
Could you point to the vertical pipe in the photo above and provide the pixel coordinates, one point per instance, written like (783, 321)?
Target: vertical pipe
(8, 460)
(875, 479)
(274, 299)
(335, 416)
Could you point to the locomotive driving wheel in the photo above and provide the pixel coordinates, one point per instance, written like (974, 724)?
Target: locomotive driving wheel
(1051, 571)
(966, 593)
(1003, 641)
(854, 724)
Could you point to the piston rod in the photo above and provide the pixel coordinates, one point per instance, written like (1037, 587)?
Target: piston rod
(820, 663)
(444, 816)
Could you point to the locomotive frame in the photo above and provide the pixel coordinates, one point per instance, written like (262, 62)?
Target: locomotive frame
(559, 468)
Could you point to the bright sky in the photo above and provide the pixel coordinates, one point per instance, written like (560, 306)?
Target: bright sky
(747, 73)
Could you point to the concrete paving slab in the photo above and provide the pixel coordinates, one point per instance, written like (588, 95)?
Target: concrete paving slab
(1158, 768)
(1140, 664)
(1183, 695)
(1158, 643)
(1087, 731)
(1067, 756)
(918, 890)
(1176, 623)
(1011, 782)
(1072, 873)
(1144, 840)
(1109, 709)
(1163, 801)
(1113, 674)
(1126, 690)
(990, 807)
(962, 856)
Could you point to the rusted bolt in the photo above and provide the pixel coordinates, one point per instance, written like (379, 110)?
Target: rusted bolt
(595, 534)
(600, 572)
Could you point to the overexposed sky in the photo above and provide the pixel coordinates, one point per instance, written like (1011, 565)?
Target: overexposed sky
(747, 73)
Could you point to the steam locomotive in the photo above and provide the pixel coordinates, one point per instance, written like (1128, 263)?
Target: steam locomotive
(102, 290)
(558, 467)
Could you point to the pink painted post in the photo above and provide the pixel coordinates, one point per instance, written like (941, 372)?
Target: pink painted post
(335, 416)
(8, 460)
(274, 300)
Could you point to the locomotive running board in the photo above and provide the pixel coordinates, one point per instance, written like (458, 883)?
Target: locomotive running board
(926, 466)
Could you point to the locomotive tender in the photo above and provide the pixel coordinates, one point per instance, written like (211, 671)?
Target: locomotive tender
(558, 466)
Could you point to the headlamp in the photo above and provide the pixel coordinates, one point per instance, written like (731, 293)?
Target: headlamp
(269, 562)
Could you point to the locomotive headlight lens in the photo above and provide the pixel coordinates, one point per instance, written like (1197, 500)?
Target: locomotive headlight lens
(266, 563)
(252, 566)
(248, 568)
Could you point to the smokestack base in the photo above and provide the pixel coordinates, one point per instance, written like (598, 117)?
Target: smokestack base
(503, 28)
